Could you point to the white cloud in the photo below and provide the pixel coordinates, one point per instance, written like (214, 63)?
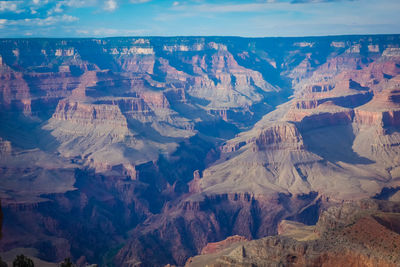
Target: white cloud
(110, 5)
(222, 8)
(2, 22)
(83, 32)
(61, 6)
(78, 3)
(105, 32)
(68, 18)
(110, 32)
(57, 9)
(256, 6)
(51, 20)
(40, 2)
(139, 1)
(9, 6)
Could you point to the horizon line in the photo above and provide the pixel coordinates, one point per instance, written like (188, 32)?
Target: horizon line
(203, 36)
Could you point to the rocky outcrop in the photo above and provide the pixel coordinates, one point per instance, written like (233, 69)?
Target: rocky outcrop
(221, 245)
(176, 95)
(204, 221)
(143, 63)
(92, 208)
(383, 110)
(362, 240)
(13, 88)
(323, 118)
(86, 114)
(128, 104)
(88, 133)
(373, 118)
(194, 184)
(279, 136)
(302, 142)
(5, 147)
(155, 100)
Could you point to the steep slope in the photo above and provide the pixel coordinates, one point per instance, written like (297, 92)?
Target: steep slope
(153, 142)
(364, 233)
(321, 147)
(335, 137)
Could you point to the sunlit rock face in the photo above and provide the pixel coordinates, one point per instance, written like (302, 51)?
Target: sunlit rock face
(363, 233)
(155, 147)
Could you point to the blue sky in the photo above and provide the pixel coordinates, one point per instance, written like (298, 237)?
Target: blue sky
(250, 18)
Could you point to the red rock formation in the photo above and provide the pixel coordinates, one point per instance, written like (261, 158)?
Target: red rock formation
(138, 63)
(221, 245)
(340, 63)
(194, 184)
(181, 83)
(128, 104)
(361, 240)
(155, 99)
(382, 111)
(279, 136)
(200, 219)
(13, 87)
(83, 113)
(171, 72)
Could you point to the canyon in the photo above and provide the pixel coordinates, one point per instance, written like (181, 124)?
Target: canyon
(146, 151)
(362, 233)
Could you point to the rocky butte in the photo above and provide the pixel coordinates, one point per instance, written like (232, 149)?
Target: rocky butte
(150, 151)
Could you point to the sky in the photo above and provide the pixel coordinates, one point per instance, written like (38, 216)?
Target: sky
(247, 18)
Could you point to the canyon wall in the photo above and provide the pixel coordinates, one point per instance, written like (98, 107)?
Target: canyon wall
(154, 147)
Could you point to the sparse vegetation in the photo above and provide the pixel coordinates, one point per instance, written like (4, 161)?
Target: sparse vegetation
(2, 263)
(67, 263)
(22, 261)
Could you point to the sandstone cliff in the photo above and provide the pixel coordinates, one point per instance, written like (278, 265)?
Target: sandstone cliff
(173, 143)
(361, 234)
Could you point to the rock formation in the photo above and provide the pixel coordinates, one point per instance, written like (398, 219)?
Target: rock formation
(360, 234)
(156, 147)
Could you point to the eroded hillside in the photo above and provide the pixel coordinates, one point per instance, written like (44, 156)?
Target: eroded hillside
(144, 150)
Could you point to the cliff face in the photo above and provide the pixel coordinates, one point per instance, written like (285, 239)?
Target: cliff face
(382, 110)
(64, 68)
(14, 90)
(338, 136)
(205, 220)
(354, 235)
(84, 114)
(173, 143)
(279, 135)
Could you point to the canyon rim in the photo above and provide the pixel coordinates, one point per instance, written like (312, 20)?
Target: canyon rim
(198, 150)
